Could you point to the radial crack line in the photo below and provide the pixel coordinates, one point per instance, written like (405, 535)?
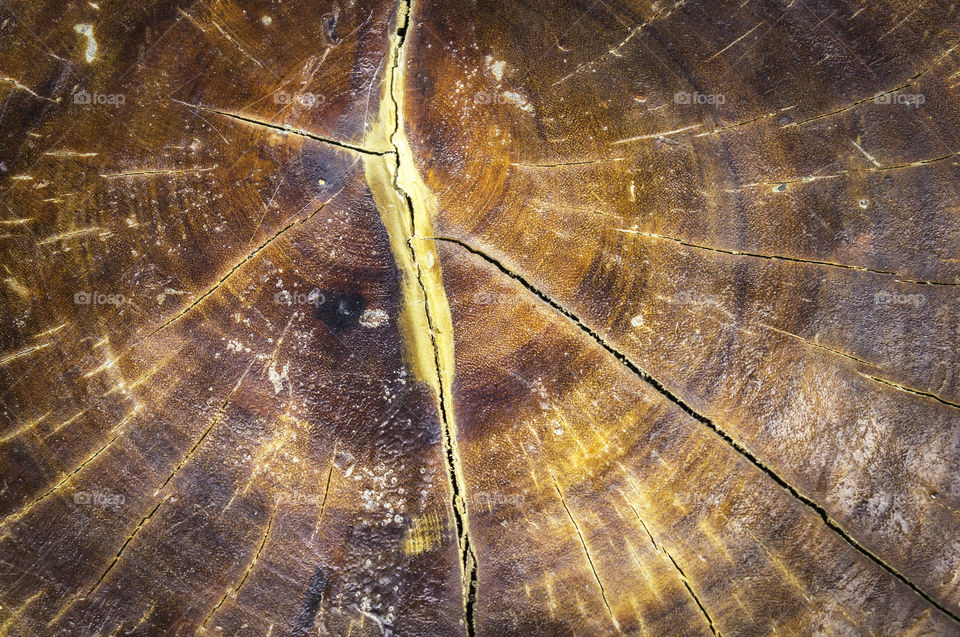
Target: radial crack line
(663, 551)
(722, 434)
(861, 361)
(848, 107)
(263, 542)
(583, 543)
(808, 343)
(123, 547)
(778, 257)
(686, 583)
(285, 128)
(213, 610)
(915, 392)
(13, 517)
(196, 445)
(584, 162)
(217, 417)
(745, 122)
(263, 246)
(326, 492)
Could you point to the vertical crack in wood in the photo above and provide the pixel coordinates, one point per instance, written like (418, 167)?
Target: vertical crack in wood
(406, 206)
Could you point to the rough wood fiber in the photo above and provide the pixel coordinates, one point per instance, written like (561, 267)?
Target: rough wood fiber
(479, 318)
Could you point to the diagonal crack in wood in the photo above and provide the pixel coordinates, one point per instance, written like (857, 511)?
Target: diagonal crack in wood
(260, 248)
(716, 429)
(686, 583)
(286, 128)
(593, 568)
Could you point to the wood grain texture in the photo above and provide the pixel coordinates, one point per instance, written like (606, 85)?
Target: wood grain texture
(480, 318)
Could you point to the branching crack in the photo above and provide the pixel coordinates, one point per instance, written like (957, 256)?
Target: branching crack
(723, 435)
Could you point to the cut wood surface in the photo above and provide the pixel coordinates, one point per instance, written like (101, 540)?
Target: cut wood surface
(479, 318)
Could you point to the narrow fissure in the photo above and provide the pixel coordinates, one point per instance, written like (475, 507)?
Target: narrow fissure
(593, 567)
(123, 547)
(13, 517)
(263, 542)
(723, 435)
(283, 128)
(915, 392)
(263, 246)
(686, 583)
(779, 257)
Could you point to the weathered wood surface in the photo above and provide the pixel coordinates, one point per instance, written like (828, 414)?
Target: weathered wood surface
(479, 318)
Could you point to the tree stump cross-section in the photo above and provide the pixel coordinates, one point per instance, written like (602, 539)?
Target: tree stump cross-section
(427, 317)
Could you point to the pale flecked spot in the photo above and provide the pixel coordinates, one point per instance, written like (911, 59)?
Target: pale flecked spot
(167, 292)
(495, 67)
(267, 20)
(636, 321)
(373, 318)
(519, 101)
(86, 30)
(277, 378)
